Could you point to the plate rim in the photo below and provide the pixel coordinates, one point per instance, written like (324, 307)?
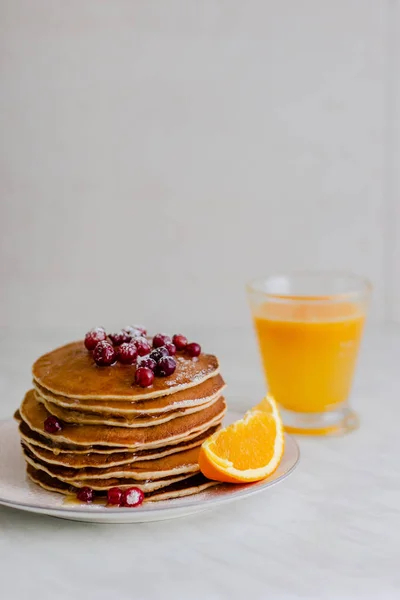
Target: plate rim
(154, 507)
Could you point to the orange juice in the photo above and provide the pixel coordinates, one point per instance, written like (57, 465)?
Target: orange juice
(309, 351)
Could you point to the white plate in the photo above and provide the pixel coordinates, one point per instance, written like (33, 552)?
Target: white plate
(17, 491)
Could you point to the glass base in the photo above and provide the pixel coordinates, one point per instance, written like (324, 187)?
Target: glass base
(335, 422)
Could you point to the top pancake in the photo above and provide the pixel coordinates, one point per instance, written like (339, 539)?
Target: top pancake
(71, 371)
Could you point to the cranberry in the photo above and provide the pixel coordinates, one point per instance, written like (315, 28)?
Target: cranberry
(171, 348)
(119, 338)
(132, 497)
(135, 331)
(144, 377)
(146, 361)
(160, 340)
(143, 346)
(193, 349)
(180, 341)
(127, 353)
(159, 353)
(52, 425)
(114, 496)
(165, 366)
(104, 354)
(85, 494)
(94, 336)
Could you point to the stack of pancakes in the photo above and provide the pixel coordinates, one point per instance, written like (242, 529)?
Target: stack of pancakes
(115, 433)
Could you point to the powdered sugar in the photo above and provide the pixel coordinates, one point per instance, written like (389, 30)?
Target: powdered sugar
(135, 331)
(186, 370)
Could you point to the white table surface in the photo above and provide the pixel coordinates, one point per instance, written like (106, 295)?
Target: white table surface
(331, 531)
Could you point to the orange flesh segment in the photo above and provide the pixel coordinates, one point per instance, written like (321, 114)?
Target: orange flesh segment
(248, 450)
(247, 443)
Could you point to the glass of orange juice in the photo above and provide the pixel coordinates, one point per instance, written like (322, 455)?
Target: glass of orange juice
(309, 326)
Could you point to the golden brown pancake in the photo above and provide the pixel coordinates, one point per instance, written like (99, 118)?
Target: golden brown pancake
(71, 371)
(105, 484)
(84, 456)
(97, 461)
(191, 485)
(194, 396)
(180, 429)
(159, 468)
(82, 418)
(113, 433)
(79, 460)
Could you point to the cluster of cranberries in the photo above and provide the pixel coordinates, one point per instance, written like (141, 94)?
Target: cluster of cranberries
(124, 346)
(131, 497)
(130, 346)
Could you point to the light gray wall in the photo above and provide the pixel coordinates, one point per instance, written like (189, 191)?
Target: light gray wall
(154, 155)
(393, 157)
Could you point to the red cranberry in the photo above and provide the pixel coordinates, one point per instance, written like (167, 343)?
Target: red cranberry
(180, 341)
(94, 336)
(143, 346)
(52, 425)
(165, 366)
(158, 353)
(85, 495)
(132, 497)
(193, 349)
(171, 348)
(127, 353)
(135, 331)
(119, 338)
(144, 377)
(146, 361)
(104, 354)
(160, 340)
(114, 496)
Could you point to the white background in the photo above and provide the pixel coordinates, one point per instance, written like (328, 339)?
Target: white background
(155, 155)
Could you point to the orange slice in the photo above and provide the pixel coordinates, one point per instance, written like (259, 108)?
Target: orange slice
(248, 450)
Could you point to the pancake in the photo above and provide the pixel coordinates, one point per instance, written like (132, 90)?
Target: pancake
(110, 432)
(159, 468)
(180, 429)
(71, 371)
(105, 484)
(194, 396)
(61, 454)
(191, 485)
(82, 418)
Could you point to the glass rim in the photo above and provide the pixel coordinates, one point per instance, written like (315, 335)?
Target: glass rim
(362, 287)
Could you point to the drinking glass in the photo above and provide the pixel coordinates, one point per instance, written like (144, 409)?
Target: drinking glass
(309, 326)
